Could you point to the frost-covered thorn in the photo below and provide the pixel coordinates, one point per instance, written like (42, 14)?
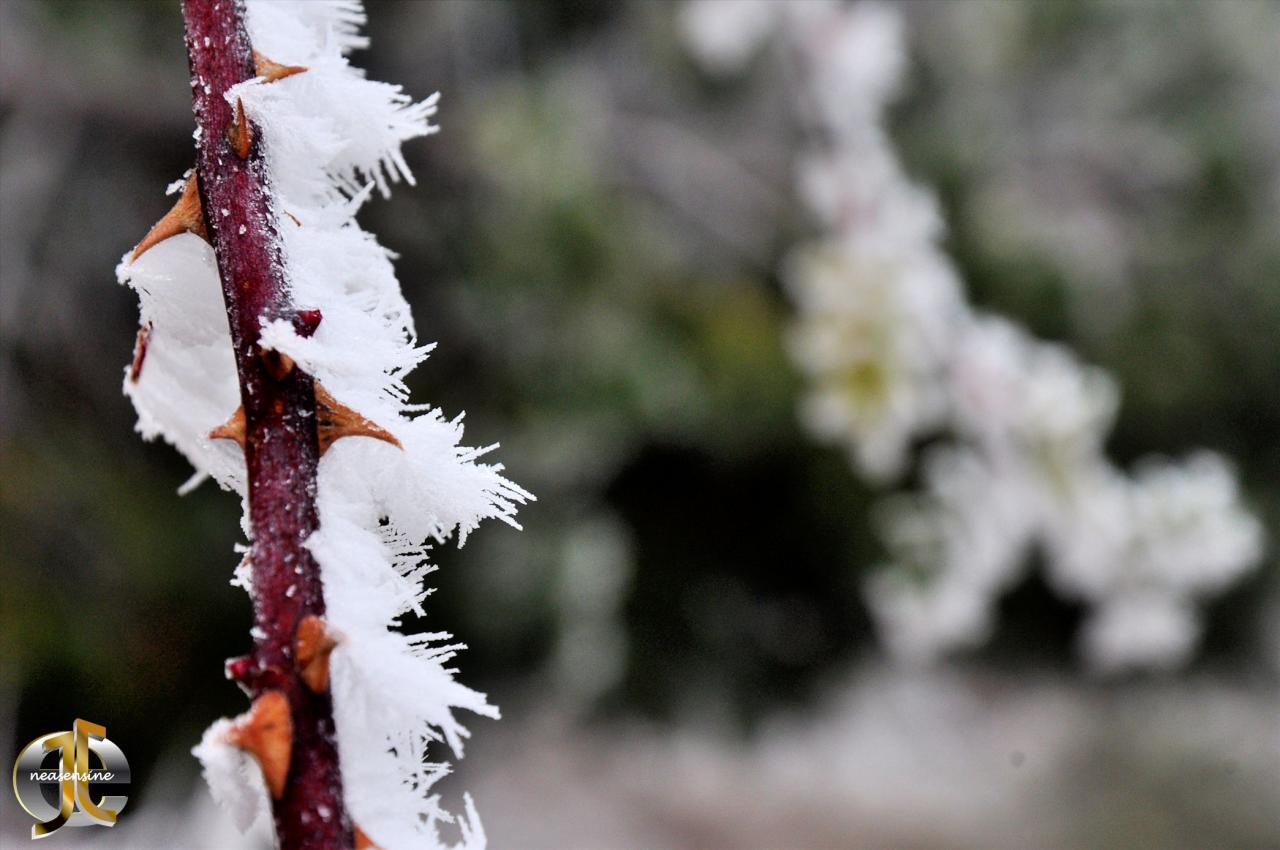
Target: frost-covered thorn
(312, 645)
(139, 352)
(186, 216)
(240, 134)
(233, 429)
(277, 363)
(266, 732)
(335, 420)
(273, 71)
(305, 322)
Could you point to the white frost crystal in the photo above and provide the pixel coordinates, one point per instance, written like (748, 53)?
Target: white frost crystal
(233, 776)
(330, 136)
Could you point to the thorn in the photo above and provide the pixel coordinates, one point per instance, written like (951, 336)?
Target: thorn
(277, 363)
(139, 352)
(241, 668)
(266, 731)
(362, 841)
(240, 134)
(312, 645)
(233, 429)
(294, 217)
(244, 671)
(335, 420)
(272, 71)
(187, 216)
(252, 676)
(305, 322)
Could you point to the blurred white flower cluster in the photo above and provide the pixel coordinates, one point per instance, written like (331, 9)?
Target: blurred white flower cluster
(893, 354)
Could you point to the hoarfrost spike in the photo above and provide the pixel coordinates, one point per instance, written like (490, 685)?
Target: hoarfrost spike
(311, 648)
(240, 134)
(335, 420)
(234, 428)
(266, 731)
(272, 71)
(186, 216)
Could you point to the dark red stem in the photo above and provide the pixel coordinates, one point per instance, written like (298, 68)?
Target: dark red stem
(281, 451)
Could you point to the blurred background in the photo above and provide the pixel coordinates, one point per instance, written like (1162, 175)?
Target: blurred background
(680, 639)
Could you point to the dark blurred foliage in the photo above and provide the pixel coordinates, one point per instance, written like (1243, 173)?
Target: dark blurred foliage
(599, 273)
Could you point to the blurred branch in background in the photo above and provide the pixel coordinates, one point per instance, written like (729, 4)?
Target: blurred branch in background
(593, 247)
(895, 354)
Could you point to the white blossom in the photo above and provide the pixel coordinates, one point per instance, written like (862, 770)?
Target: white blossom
(1137, 630)
(1030, 402)
(922, 620)
(855, 58)
(955, 548)
(1141, 550)
(870, 335)
(724, 34)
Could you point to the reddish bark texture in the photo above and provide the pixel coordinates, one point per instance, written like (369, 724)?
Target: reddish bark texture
(281, 450)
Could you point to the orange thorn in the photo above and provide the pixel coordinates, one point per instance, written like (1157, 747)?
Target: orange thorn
(186, 216)
(312, 645)
(266, 731)
(294, 217)
(362, 841)
(234, 428)
(240, 134)
(335, 421)
(277, 363)
(272, 71)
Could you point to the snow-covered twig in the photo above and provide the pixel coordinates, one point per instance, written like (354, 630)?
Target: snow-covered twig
(259, 387)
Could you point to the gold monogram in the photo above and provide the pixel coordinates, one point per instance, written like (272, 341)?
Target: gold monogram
(74, 776)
